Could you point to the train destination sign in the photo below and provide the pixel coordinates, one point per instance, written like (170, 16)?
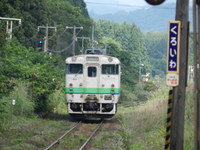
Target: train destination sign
(173, 49)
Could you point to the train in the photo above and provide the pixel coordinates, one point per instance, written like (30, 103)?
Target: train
(92, 84)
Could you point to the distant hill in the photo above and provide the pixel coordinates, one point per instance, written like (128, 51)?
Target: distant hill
(151, 19)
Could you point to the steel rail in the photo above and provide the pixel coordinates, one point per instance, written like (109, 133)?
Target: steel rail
(91, 135)
(57, 141)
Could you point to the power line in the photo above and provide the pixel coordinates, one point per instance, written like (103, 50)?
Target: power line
(62, 50)
(114, 4)
(130, 6)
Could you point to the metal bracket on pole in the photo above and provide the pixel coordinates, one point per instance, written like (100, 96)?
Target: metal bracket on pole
(74, 36)
(9, 26)
(46, 37)
(83, 38)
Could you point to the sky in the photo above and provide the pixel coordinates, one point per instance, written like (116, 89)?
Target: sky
(133, 2)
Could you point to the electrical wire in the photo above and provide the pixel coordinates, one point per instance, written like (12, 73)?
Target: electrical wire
(126, 5)
(113, 4)
(62, 50)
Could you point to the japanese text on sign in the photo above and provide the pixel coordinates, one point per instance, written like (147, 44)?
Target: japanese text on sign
(173, 47)
(173, 54)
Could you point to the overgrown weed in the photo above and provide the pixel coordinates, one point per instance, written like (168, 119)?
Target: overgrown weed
(144, 126)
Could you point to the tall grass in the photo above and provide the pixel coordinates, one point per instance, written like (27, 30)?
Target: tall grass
(189, 120)
(23, 105)
(143, 127)
(58, 102)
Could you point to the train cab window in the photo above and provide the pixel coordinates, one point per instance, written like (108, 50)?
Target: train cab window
(74, 69)
(92, 71)
(110, 69)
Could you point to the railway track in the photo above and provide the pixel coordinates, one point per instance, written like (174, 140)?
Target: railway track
(75, 128)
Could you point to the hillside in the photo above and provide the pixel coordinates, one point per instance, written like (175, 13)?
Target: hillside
(149, 19)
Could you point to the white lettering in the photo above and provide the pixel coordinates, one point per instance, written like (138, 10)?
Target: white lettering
(173, 41)
(173, 30)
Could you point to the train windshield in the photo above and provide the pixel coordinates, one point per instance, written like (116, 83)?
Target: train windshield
(74, 69)
(110, 69)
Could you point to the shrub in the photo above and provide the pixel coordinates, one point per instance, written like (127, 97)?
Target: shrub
(23, 106)
(57, 102)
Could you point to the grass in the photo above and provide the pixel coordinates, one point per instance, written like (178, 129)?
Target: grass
(32, 133)
(143, 126)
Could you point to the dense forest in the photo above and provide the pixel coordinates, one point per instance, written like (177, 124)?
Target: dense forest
(22, 61)
(33, 77)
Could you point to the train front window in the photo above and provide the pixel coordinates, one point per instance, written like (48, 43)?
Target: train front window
(110, 69)
(92, 71)
(74, 69)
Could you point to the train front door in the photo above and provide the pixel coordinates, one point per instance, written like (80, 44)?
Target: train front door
(92, 82)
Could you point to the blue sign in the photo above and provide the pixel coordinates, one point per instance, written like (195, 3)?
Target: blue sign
(173, 47)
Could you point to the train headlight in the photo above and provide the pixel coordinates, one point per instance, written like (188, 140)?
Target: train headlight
(110, 59)
(73, 58)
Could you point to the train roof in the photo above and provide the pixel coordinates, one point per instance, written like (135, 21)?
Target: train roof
(92, 58)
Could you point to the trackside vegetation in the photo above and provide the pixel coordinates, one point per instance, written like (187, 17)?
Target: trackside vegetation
(33, 107)
(41, 75)
(144, 126)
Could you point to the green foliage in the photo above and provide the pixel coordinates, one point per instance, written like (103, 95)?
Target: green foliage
(156, 44)
(36, 13)
(57, 102)
(144, 125)
(126, 42)
(42, 73)
(38, 69)
(24, 106)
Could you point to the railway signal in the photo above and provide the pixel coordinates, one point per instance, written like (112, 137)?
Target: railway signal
(47, 35)
(40, 44)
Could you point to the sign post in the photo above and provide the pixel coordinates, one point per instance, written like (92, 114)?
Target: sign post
(173, 50)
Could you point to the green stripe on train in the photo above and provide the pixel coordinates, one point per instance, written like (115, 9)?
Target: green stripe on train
(92, 90)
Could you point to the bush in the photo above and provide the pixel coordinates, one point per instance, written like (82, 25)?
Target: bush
(23, 106)
(57, 102)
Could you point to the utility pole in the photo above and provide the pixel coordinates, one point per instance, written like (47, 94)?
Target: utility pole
(178, 109)
(46, 35)
(196, 73)
(9, 26)
(83, 38)
(74, 36)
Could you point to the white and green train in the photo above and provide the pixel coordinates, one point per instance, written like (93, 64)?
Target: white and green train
(92, 84)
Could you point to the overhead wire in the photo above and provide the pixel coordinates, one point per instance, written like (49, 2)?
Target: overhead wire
(62, 50)
(113, 4)
(127, 5)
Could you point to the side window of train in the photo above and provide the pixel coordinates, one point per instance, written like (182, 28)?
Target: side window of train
(110, 69)
(92, 71)
(74, 69)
